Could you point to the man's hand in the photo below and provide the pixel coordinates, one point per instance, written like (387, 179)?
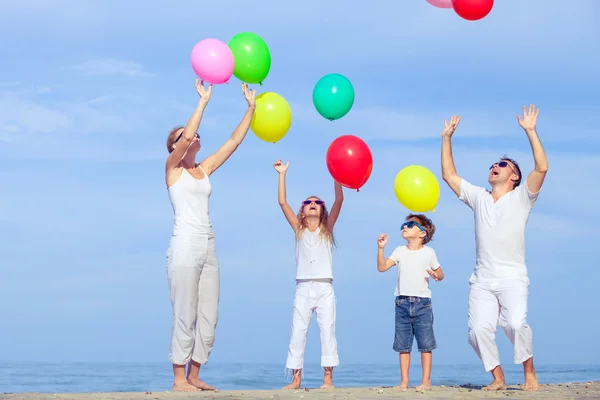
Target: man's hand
(449, 128)
(435, 275)
(382, 240)
(529, 119)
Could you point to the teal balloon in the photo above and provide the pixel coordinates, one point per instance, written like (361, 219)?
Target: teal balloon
(333, 96)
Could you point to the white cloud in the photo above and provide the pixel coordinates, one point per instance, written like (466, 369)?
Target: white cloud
(109, 67)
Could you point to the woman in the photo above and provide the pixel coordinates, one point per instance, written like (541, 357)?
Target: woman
(192, 266)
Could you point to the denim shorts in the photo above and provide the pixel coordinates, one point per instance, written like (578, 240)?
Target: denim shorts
(414, 318)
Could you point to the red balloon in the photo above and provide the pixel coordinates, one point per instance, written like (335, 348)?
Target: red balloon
(472, 10)
(349, 161)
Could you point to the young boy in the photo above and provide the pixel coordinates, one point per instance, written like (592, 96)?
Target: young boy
(414, 316)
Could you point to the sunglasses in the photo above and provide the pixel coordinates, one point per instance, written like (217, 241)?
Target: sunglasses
(503, 164)
(179, 137)
(317, 202)
(412, 224)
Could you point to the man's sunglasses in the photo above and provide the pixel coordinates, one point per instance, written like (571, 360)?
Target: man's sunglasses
(181, 134)
(412, 224)
(317, 202)
(502, 164)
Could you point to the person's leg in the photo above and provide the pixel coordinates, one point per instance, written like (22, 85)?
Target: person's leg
(513, 295)
(426, 343)
(208, 314)
(326, 312)
(484, 311)
(300, 321)
(403, 339)
(183, 276)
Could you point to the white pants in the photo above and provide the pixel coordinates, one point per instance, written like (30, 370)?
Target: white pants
(319, 297)
(503, 303)
(193, 275)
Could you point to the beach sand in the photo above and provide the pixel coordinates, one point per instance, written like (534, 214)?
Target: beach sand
(589, 390)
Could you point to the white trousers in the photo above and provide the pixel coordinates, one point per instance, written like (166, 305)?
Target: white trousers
(320, 298)
(193, 275)
(503, 303)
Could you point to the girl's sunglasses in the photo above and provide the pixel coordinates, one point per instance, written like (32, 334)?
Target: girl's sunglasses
(317, 202)
(412, 224)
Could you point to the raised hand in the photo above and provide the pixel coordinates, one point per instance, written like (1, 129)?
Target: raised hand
(529, 118)
(280, 167)
(204, 93)
(449, 128)
(382, 240)
(250, 95)
(433, 274)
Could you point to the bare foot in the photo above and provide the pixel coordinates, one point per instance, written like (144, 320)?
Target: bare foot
(200, 384)
(402, 386)
(184, 387)
(495, 386)
(423, 387)
(531, 382)
(293, 385)
(327, 385)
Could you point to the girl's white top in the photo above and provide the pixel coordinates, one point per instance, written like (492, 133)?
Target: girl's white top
(313, 256)
(189, 198)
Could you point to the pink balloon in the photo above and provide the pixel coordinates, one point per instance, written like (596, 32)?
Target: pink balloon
(212, 61)
(441, 3)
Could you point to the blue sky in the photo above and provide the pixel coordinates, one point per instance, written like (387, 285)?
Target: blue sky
(89, 91)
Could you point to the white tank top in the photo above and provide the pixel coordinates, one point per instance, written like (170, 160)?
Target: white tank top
(189, 198)
(313, 256)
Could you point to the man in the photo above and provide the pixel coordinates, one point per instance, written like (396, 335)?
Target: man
(499, 284)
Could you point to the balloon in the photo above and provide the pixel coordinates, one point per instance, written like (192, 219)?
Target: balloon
(349, 161)
(333, 96)
(252, 57)
(272, 117)
(472, 10)
(417, 188)
(212, 61)
(441, 3)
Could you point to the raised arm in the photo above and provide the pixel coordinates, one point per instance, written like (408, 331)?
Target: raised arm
(535, 179)
(214, 161)
(334, 213)
(448, 169)
(292, 219)
(383, 264)
(190, 129)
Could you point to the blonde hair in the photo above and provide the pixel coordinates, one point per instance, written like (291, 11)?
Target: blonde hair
(324, 230)
(172, 137)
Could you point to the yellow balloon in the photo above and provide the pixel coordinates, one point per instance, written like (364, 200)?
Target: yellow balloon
(272, 117)
(417, 188)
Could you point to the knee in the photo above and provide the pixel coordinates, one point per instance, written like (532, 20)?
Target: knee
(516, 323)
(480, 328)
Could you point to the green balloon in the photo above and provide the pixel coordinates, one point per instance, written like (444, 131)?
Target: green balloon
(333, 96)
(251, 57)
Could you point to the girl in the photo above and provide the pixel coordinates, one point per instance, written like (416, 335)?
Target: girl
(192, 266)
(313, 227)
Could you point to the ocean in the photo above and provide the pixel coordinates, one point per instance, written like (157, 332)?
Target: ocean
(21, 377)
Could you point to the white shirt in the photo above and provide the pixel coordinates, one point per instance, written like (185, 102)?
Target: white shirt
(499, 230)
(313, 256)
(189, 198)
(413, 279)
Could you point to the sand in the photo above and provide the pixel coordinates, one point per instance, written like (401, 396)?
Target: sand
(589, 390)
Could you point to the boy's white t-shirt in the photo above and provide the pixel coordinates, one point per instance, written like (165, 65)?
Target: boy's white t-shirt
(413, 279)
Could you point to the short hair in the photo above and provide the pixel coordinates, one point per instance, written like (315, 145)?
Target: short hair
(518, 182)
(426, 223)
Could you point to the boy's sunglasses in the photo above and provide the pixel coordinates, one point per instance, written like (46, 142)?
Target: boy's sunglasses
(179, 137)
(412, 224)
(317, 202)
(502, 164)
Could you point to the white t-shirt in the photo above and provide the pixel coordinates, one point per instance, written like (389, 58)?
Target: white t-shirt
(313, 256)
(499, 230)
(413, 279)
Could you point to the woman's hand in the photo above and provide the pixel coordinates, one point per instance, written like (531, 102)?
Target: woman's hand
(250, 95)
(204, 93)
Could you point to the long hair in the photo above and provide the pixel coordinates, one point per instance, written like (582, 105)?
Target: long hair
(325, 232)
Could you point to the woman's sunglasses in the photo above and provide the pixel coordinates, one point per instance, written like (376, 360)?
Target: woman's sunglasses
(179, 137)
(317, 202)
